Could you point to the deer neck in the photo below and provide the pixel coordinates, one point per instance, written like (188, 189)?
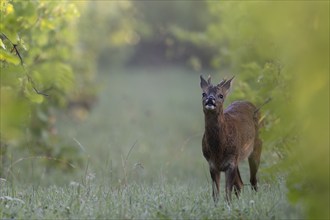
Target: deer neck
(215, 128)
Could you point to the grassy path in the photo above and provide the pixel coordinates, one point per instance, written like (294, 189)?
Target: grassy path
(158, 119)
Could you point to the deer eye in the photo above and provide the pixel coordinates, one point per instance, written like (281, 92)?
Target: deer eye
(204, 94)
(220, 96)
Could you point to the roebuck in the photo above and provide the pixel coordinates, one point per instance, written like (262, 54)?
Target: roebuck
(230, 136)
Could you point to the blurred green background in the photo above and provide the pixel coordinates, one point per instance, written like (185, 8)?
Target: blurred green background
(119, 88)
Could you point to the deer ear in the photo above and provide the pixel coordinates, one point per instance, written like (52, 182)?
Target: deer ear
(204, 84)
(225, 85)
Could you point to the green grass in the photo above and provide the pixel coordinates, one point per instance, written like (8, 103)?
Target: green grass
(142, 147)
(160, 200)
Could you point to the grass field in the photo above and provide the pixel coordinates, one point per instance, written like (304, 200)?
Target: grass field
(142, 144)
(160, 200)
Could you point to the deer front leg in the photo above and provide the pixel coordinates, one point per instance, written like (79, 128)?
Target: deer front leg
(238, 183)
(215, 185)
(231, 173)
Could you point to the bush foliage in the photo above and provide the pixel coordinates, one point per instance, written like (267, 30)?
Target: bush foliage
(37, 44)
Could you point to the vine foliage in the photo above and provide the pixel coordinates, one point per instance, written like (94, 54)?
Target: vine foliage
(36, 49)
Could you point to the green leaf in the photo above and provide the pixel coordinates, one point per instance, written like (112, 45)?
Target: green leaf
(8, 57)
(2, 44)
(32, 95)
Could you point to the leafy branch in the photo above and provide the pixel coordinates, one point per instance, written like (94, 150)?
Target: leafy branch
(3, 37)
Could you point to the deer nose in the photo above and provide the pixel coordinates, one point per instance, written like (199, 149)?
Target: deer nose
(209, 103)
(210, 100)
(211, 97)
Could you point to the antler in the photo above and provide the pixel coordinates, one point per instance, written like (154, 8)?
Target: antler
(209, 79)
(224, 81)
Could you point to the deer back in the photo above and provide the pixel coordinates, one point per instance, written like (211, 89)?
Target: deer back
(241, 127)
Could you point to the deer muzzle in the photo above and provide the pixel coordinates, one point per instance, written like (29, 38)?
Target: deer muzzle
(210, 103)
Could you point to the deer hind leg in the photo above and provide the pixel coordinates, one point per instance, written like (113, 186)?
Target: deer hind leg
(238, 183)
(254, 161)
(215, 184)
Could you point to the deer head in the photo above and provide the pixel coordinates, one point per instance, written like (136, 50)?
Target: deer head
(214, 96)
